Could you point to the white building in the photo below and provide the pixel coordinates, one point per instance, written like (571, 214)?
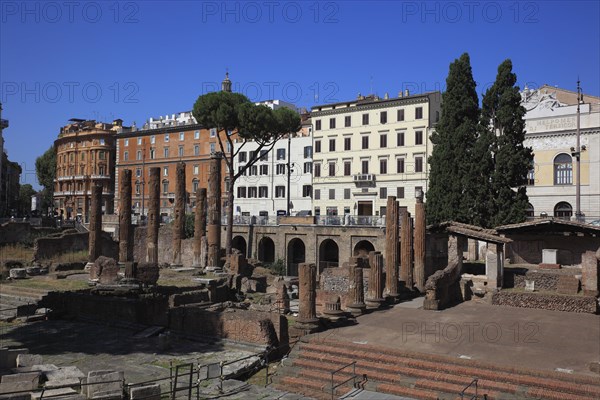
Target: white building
(263, 189)
(551, 127)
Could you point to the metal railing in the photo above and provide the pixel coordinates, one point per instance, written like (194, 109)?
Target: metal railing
(462, 394)
(352, 378)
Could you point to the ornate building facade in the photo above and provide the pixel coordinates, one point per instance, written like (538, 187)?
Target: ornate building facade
(85, 155)
(551, 131)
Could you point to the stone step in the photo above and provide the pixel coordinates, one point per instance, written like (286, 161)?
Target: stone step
(577, 384)
(393, 374)
(306, 388)
(437, 373)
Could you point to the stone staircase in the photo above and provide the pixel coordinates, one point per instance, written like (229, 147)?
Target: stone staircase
(420, 376)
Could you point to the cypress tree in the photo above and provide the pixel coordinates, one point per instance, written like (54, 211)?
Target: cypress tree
(455, 176)
(502, 119)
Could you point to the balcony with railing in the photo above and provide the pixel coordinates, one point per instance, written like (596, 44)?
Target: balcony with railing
(328, 220)
(361, 180)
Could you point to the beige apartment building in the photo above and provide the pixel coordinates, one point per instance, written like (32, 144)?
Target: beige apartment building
(368, 149)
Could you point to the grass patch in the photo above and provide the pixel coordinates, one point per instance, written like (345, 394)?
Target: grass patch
(258, 378)
(70, 257)
(49, 284)
(17, 252)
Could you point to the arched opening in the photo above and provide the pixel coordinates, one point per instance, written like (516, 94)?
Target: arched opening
(329, 254)
(530, 211)
(563, 210)
(362, 250)
(266, 250)
(563, 169)
(296, 255)
(239, 243)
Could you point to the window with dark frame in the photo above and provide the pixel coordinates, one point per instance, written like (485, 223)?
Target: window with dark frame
(419, 137)
(383, 141)
(400, 115)
(365, 142)
(400, 165)
(383, 117)
(383, 166)
(365, 119)
(400, 139)
(331, 123)
(347, 121)
(419, 113)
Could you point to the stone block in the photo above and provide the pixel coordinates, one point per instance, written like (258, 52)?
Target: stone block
(567, 284)
(549, 256)
(150, 392)
(17, 386)
(27, 360)
(18, 273)
(589, 273)
(16, 396)
(42, 368)
(549, 266)
(62, 393)
(148, 273)
(65, 376)
(29, 379)
(101, 384)
(107, 269)
(8, 357)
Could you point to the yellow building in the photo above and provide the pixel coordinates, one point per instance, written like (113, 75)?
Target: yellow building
(368, 149)
(551, 127)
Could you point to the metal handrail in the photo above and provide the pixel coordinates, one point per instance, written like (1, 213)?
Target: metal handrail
(462, 393)
(352, 378)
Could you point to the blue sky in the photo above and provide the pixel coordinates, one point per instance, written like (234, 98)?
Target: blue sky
(137, 59)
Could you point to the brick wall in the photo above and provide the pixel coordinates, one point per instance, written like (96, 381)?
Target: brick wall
(527, 249)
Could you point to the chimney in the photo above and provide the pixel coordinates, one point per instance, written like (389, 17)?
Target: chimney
(406, 93)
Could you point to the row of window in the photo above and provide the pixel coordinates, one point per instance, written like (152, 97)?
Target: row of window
(252, 192)
(82, 143)
(62, 158)
(383, 193)
(264, 155)
(332, 167)
(383, 118)
(383, 141)
(280, 169)
(167, 137)
(167, 152)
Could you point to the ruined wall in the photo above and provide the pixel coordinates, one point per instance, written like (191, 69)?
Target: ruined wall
(581, 304)
(527, 249)
(258, 327)
(165, 246)
(334, 282)
(22, 232)
(50, 247)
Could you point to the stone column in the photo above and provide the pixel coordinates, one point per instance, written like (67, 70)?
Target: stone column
(406, 250)
(357, 304)
(494, 265)
(179, 222)
(375, 292)
(200, 229)
(307, 319)
(125, 248)
(391, 249)
(153, 220)
(94, 238)
(214, 213)
(589, 273)
(419, 245)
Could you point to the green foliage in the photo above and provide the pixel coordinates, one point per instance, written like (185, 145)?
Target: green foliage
(25, 193)
(278, 267)
(45, 168)
(454, 188)
(189, 227)
(502, 115)
(479, 164)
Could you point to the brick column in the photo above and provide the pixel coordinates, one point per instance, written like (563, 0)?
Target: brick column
(357, 304)
(406, 249)
(200, 229)
(125, 248)
(94, 238)
(375, 292)
(419, 245)
(214, 213)
(307, 320)
(179, 222)
(391, 249)
(153, 220)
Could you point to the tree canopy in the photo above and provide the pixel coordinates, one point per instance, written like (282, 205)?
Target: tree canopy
(45, 168)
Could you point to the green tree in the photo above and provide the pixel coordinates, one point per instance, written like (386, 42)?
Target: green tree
(457, 179)
(45, 168)
(25, 193)
(233, 112)
(502, 117)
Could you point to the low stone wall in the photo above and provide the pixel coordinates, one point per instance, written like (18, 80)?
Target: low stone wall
(22, 232)
(250, 326)
(543, 281)
(580, 304)
(52, 246)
